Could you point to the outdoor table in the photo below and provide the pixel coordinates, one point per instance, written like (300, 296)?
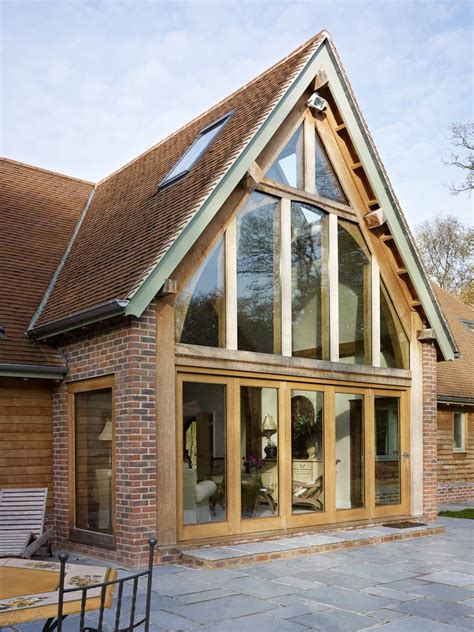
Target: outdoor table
(29, 590)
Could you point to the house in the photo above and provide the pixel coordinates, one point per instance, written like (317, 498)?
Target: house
(456, 406)
(231, 336)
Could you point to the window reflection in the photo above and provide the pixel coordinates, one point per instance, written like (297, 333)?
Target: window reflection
(288, 167)
(387, 453)
(327, 184)
(93, 460)
(394, 347)
(309, 281)
(200, 306)
(349, 451)
(258, 275)
(354, 295)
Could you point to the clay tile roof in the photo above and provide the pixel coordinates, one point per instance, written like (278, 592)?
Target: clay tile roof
(38, 212)
(130, 224)
(456, 378)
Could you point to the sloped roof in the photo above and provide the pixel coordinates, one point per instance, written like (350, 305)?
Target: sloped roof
(39, 210)
(130, 224)
(456, 378)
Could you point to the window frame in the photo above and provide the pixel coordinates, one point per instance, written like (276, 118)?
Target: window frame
(76, 534)
(463, 416)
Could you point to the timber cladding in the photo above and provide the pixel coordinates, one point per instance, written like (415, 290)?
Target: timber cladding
(454, 468)
(26, 431)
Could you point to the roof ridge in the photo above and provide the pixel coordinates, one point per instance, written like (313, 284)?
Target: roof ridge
(311, 41)
(35, 168)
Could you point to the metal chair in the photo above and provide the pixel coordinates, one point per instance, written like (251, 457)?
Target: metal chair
(132, 624)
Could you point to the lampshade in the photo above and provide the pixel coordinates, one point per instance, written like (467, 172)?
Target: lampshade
(106, 434)
(269, 423)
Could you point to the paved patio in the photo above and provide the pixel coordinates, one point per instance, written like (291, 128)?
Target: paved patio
(423, 585)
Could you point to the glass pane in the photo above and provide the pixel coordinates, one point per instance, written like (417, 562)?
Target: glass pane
(258, 268)
(387, 454)
(354, 295)
(288, 167)
(458, 431)
(309, 285)
(93, 466)
(327, 184)
(200, 306)
(307, 451)
(349, 451)
(394, 348)
(204, 452)
(259, 451)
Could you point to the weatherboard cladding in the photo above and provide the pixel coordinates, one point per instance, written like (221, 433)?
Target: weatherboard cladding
(39, 209)
(456, 378)
(130, 224)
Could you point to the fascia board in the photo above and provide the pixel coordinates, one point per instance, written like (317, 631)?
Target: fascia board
(350, 115)
(180, 247)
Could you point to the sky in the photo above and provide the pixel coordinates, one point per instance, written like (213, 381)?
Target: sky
(87, 85)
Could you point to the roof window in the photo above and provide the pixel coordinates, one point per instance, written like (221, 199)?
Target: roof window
(195, 151)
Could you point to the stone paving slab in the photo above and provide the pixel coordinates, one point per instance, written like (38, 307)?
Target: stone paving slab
(415, 585)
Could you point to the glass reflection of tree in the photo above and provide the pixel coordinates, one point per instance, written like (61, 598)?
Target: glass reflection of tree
(306, 266)
(256, 279)
(327, 184)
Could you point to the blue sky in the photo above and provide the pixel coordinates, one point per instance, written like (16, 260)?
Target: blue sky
(88, 85)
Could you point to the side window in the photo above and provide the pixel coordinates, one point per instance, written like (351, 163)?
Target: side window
(459, 431)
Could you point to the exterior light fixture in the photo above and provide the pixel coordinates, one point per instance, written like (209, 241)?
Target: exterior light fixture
(317, 103)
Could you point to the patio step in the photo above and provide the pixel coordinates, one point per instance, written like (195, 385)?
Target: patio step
(303, 544)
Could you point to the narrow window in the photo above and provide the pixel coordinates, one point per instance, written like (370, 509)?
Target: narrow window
(327, 183)
(459, 431)
(93, 435)
(309, 286)
(195, 151)
(354, 295)
(200, 308)
(349, 451)
(258, 275)
(387, 453)
(394, 346)
(288, 167)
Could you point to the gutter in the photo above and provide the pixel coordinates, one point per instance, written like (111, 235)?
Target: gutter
(115, 307)
(449, 399)
(33, 370)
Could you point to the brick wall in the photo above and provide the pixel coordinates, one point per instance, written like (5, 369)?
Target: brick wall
(455, 493)
(430, 461)
(128, 351)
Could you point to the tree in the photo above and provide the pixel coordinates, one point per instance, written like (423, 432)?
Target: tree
(462, 155)
(446, 246)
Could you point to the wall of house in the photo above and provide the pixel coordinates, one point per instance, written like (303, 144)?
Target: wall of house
(26, 448)
(455, 469)
(430, 457)
(128, 351)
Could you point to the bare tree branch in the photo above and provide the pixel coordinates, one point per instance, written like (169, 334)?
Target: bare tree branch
(462, 136)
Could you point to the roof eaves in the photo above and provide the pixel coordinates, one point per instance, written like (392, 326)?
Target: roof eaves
(450, 399)
(396, 219)
(33, 371)
(162, 268)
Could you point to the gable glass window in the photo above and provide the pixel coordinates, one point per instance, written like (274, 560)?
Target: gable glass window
(309, 289)
(327, 183)
(195, 151)
(258, 275)
(354, 295)
(394, 346)
(93, 434)
(288, 167)
(459, 431)
(200, 313)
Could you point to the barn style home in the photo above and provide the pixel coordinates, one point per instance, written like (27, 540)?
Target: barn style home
(456, 406)
(230, 337)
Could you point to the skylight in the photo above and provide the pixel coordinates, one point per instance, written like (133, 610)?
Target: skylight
(195, 151)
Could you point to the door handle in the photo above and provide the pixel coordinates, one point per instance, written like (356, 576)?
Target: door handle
(405, 456)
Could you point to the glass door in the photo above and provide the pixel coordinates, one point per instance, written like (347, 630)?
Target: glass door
(206, 474)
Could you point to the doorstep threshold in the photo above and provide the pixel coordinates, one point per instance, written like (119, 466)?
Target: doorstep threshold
(300, 544)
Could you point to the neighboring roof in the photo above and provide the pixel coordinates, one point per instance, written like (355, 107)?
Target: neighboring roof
(38, 212)
(130, 224)
(456, 378)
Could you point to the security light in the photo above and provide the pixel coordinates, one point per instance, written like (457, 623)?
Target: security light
(317, 103)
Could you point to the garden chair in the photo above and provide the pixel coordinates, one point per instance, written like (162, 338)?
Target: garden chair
(309, 494)
(22, 513)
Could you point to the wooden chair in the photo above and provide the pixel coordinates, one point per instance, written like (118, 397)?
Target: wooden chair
(309, 494)
(123, 621)
(22, 513)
